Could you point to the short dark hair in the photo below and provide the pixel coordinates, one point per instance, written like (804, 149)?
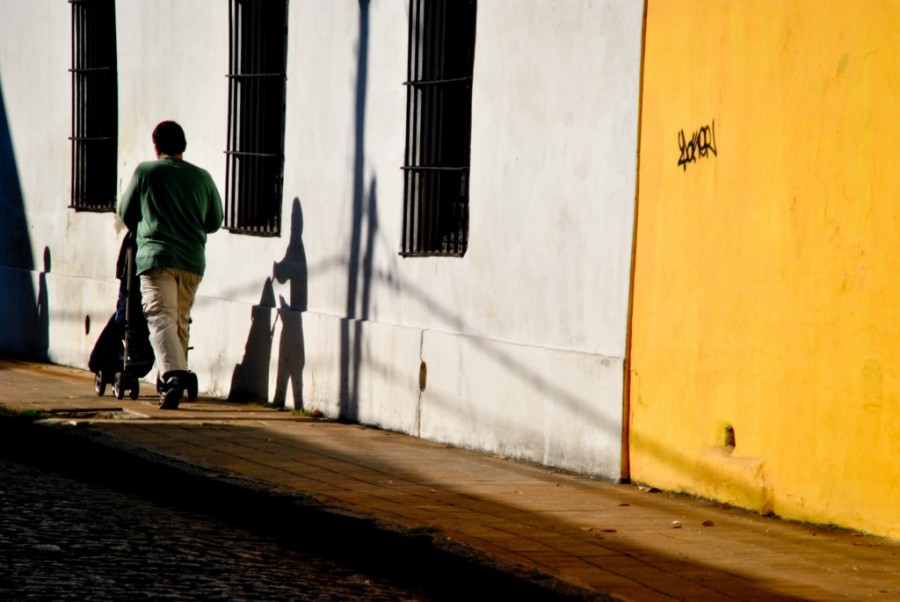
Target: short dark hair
(168, 137)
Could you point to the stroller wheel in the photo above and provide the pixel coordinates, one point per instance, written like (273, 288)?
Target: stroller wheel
(119, 386)
(135, 389)
(99, 384)
(192, 387)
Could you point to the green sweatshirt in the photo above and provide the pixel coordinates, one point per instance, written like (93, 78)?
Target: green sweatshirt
(172, 205)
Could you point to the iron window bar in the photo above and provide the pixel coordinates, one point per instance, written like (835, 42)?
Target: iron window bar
(253, 75)
(249, 154)
(91, 70)
(433, 168)
(434, 82)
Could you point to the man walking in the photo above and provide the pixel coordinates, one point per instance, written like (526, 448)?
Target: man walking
(171, 205)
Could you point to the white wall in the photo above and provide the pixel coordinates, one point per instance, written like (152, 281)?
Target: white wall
(523, 338)
(37, 254)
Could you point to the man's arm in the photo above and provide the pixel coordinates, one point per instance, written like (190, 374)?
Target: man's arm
(214, 213)
(129, 209)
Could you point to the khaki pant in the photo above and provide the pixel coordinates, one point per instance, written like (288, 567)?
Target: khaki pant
(167, 296)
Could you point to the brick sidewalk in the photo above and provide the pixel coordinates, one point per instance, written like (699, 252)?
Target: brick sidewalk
(610, 539)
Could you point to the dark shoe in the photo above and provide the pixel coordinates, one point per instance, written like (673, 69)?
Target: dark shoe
(171, 391)
(169, 399)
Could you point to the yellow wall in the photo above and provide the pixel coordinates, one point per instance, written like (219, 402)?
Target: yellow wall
(767, 276)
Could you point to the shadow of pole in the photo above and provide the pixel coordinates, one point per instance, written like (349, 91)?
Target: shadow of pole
(350, 345)
(371, 219)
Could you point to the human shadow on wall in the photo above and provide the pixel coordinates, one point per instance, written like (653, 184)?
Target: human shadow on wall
(357, 305)
(18, 302)
(250, 379)
(292, 269)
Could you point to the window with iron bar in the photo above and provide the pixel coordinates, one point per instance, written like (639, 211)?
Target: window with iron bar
(95, 112)
(256, 107)
(438, 127)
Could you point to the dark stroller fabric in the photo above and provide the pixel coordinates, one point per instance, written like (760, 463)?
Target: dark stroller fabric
(127, 322)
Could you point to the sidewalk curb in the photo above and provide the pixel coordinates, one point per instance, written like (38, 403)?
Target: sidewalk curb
(450, 568)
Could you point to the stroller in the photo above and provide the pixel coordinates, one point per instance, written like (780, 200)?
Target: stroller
(122, 354)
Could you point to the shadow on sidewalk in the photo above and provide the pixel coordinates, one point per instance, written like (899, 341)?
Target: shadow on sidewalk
(406, 557)
(297, 464)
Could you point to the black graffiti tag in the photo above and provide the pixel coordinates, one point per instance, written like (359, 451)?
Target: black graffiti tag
(702, 142)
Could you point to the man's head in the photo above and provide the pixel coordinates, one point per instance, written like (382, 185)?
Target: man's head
(168, 138)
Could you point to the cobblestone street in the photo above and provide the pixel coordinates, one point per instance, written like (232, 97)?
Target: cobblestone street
(63, 539)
